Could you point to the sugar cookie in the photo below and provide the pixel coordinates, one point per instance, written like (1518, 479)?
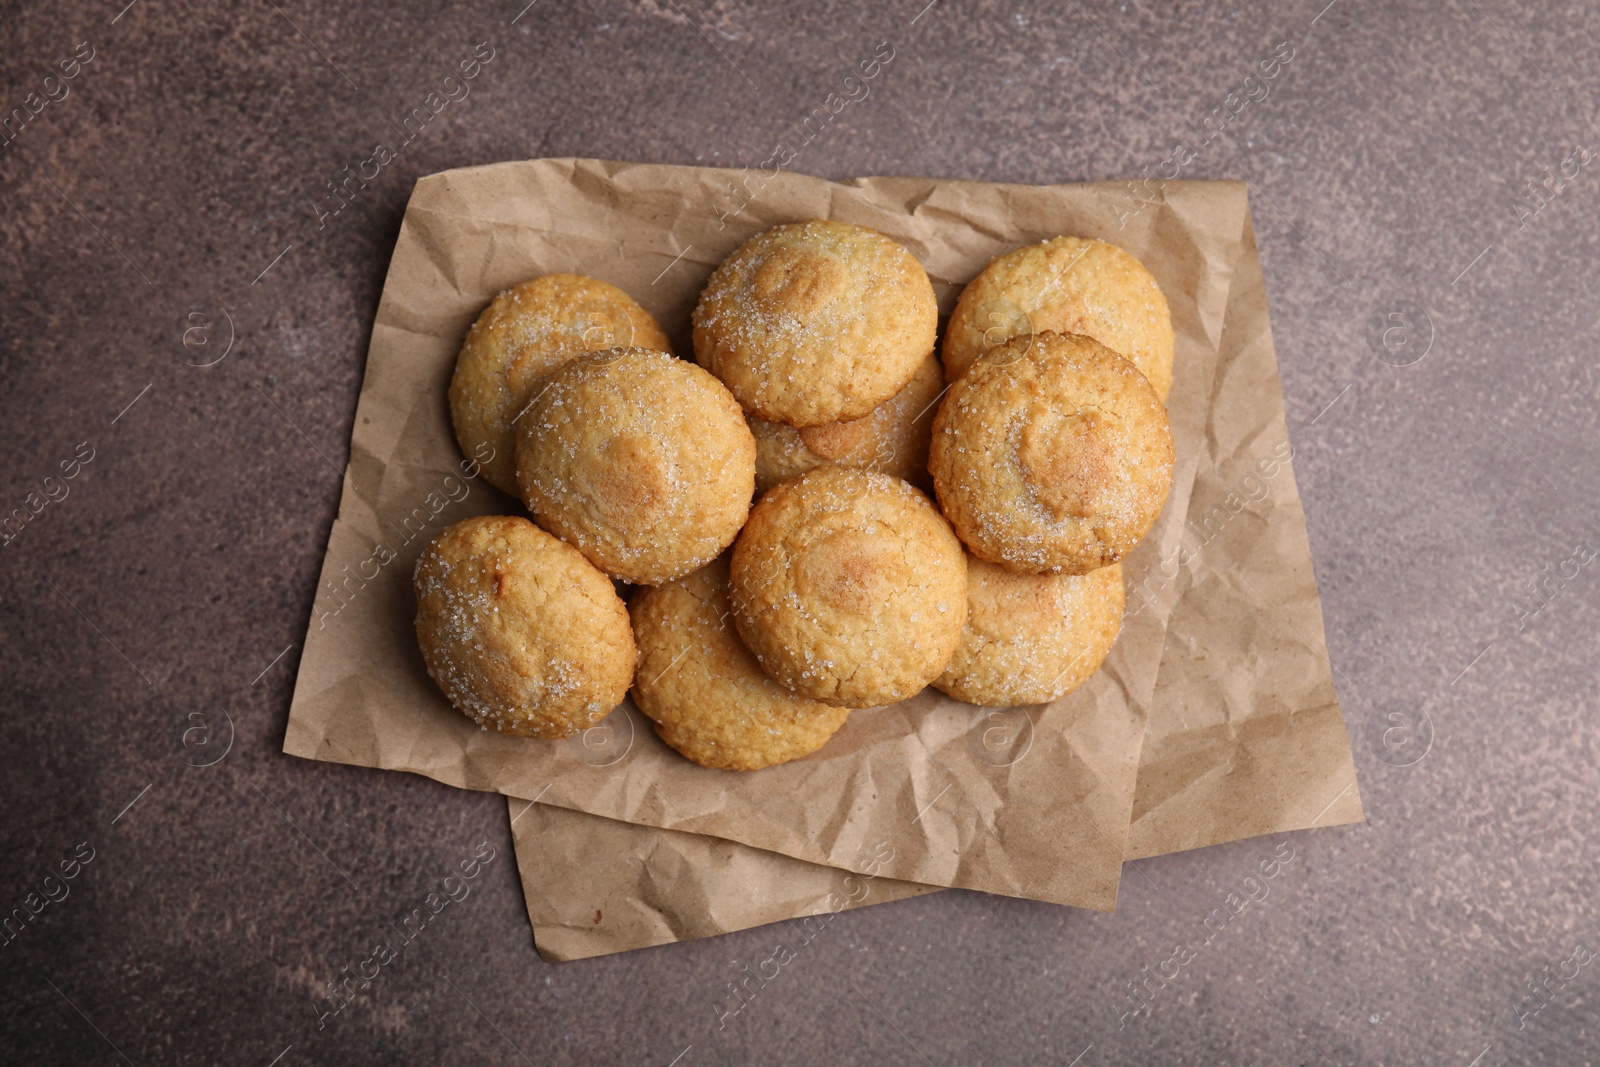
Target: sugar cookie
(892, 437)
(815, 322)
(1031, 638)
(518, 629)
(849, 587)
(641, 460)
(1051, 454)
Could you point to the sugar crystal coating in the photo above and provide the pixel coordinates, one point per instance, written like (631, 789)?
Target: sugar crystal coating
(1052, 454)
(518, 630)
(815, 322)
(849, 587)
(1030, 638)
(640, 460)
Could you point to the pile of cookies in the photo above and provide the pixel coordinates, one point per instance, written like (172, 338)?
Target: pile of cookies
(772, 504)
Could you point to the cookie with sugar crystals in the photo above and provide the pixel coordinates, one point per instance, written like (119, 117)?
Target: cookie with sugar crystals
(1065, 285)
(1031, 638)
(521, 632)
(848, 587)
(705, 692)
(815, 322)
(526, 332)
(640, 460)
(1053, 454)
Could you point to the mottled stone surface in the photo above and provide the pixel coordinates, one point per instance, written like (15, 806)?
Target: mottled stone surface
(184, 173)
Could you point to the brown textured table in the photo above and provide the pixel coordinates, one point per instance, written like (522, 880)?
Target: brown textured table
(169, 202)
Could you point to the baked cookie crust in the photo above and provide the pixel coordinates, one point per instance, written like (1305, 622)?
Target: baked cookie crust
(1052, 454)
(815, 322)
(893, 437)
(1031, 638)
(1065, 285)
(640, 460)
(849, 587)
(519, 631)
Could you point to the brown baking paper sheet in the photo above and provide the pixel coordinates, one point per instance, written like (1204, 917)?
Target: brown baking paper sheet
(908, 782)
(594, 886)
(1244, 737)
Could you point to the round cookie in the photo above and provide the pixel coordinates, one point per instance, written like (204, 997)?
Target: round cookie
(641, 460)
(1052, 454)
(892, 438)
(1031, 638)
(705, 692)
(518, 630)
(525, 332)
(849, 587)
(815, 322)
(1065, 285)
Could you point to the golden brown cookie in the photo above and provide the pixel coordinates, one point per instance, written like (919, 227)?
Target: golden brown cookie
(641, 460)
(849, 587)
(705, 692)
(815, 322)
(1031, 638)
(1051, 454)
(892, 437)
(524, 333)
(1066, 285)
(518, 630)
